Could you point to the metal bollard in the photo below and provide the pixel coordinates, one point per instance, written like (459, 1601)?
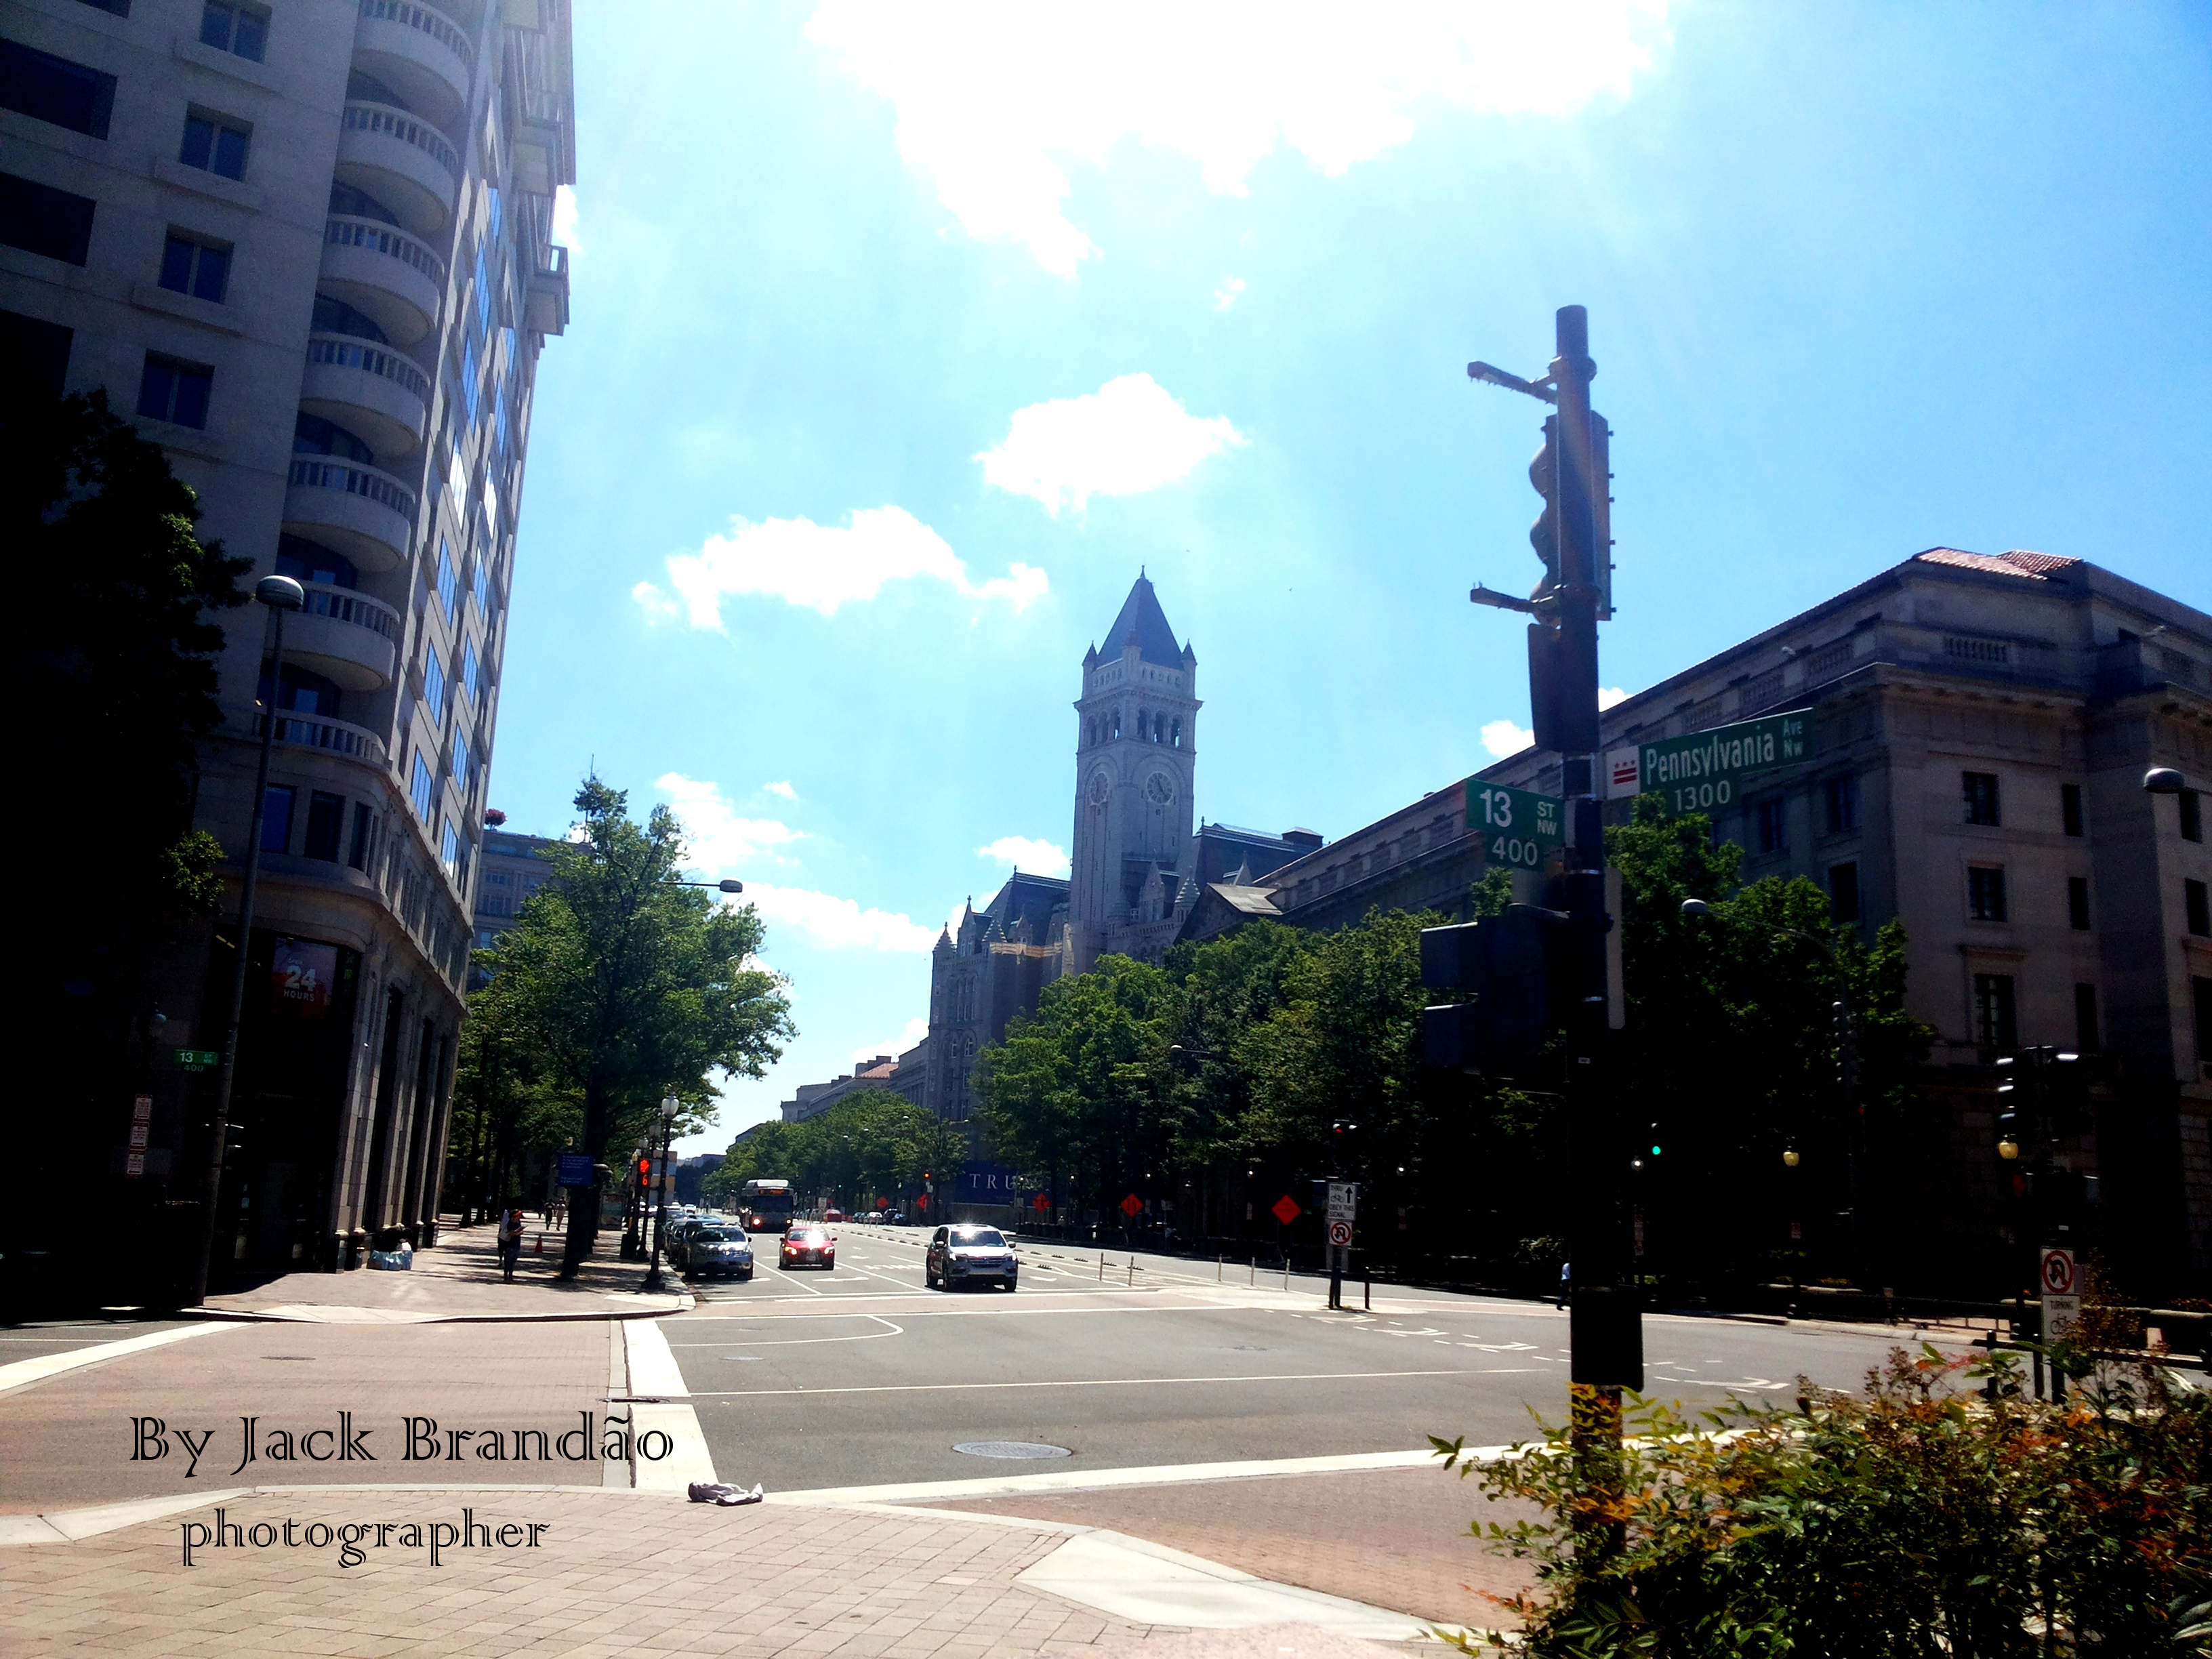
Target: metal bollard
(1286, 1270)
(1102, 1266)
(1367, 1295)
(1255, 1270)
(1132, 1271)
(1218, 1259)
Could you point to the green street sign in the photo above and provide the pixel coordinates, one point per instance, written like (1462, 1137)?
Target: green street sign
(198, 1060)
(1706, 769)
(1517, 826)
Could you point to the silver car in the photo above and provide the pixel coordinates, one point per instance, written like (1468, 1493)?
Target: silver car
(969, 1253)
(718, 1251)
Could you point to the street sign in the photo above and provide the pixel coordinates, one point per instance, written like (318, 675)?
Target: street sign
(1706, 769)
(1343, 1201)
(1516, 826)
(576, 1170)
(1131, 1205)
(1285, 1209)
(1041, 1204)
(2057, 1272)
(142, 1109)
(198, 1060)
(1340, 1233)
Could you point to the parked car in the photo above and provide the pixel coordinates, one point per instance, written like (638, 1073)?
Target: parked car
(809, 1244)
(718, 1250)
(968, 1253)
(833, 1213)
(679, 1238)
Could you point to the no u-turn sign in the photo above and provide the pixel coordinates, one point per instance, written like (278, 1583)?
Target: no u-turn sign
(2058, 1272)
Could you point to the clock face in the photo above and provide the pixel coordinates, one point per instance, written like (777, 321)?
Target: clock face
(1160, 787)
(1096, 791)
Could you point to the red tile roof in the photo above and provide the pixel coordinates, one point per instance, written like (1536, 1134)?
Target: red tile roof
(2017, 562)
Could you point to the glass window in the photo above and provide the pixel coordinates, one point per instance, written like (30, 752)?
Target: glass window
(461, 761)
(55, 89)
(2194, 901)
(1773, 826)
(468, 669)
(1980, 790)
(448, 582)
(310, 562)
(1994, 1029)
(277, 817)
(483, 585)
(189, 266)
(2069, 807)
(41, 220)
(422, 790)
(434, 684)
(483, 293)
(1844, 892)
(1985, 892)
(326, 824)
(171, 390)
(1841, 797)
(2078, 903)
(449, 849)
(471, 394)
(214, 143)
(2193, 815)
(357, 851)
(242, 31)
(303, 692)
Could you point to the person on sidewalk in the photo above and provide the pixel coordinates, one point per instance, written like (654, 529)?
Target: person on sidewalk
(510, 1243)
(1566, 1277)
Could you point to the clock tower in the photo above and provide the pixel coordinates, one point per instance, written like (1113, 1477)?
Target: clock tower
(1136, 741)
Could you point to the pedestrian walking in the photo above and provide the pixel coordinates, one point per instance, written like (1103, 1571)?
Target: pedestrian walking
(510, 1243)
(1566, 1277)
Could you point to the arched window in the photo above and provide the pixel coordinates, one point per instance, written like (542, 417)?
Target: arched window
(1175, 740)
(1159, 728)
(1117, 723)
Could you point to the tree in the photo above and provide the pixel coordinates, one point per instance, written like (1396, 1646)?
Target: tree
(872, 1145)
(625, 985)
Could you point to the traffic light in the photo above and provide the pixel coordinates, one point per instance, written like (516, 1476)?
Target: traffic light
(645, 1174)
(1544, 534)
(1506, 962)
(2008, 1110)
(1847, 1050)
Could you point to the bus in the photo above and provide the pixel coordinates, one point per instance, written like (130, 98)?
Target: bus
(765, 1206)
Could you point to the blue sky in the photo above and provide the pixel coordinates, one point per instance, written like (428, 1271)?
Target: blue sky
(902, 338)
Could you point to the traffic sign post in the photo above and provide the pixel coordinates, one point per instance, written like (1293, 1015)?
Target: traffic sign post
(2062, 1305)
(1343, 1209)
(1518, 828)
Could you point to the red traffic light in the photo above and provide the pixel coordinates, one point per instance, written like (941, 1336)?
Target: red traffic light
(645, 1171)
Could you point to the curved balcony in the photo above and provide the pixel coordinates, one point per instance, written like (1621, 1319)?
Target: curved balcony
(345, 636)
(317, 732)
(405, 163)
(384, 273)
(368, 515)
(367, 389)
(419, 53)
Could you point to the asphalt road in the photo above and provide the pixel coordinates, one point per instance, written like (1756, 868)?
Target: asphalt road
(861, 1377)
(36, 1340)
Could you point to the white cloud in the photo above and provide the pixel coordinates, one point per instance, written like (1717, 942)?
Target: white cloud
(564, 217)
(915, 1030)
(838, 923)
(1039, 858)
(718, 839)
(996, 98)
(1129, 436)
(1503, 738)
(783, 789)
(822, 566)
(1228, 294)
(1609, 695)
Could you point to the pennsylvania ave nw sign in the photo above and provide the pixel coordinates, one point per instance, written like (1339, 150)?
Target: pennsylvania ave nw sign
(1705, 769)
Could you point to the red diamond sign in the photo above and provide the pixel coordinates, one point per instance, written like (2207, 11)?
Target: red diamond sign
(1287, 1210)
(1042, 1203)
(1131, 1205)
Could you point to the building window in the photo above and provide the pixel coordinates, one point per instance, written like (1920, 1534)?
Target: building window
(449, 585)
(1841, 797)
(1994, 1030)
(461, 762)
(242, 31)
(483, 586)
(422, 790)
(2078, 903)
(41, 220)
(277, 817)
(1986, 894)
(214, 143)
(50, 88)
(2085, 1020)
(194, 267)
(357, 851)
(2200, 912)
(1980, 789)
(1773, 826)
(449, 850)
(2193, 815)
(1844, 892)
(40, 348)
(326, 822)
(469, 668)
(434, 684)
(2200, 993)
(175, 391)
(2069, 807)
(112, 7)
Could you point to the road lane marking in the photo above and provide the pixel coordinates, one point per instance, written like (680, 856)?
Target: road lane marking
(802, 1341)
(25, 1373)
(1163, 1475)
(1089, 1383)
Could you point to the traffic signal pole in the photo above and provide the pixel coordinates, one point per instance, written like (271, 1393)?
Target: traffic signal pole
(1573, 538)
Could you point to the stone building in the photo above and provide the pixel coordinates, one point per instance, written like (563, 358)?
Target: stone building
(907, 1075)
(309, 248)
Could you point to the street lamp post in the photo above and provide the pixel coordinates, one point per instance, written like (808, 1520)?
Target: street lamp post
(669, 1107)
(280, 594)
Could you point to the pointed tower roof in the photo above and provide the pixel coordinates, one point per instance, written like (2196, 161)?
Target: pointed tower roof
(1142, 619)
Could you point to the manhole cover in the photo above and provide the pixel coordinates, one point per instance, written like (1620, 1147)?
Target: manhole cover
(1011, 1449)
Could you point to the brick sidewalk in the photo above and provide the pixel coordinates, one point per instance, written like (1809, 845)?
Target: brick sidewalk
(614, 1573)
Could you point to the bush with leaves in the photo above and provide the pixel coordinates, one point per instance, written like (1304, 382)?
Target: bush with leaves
(1918, 1518)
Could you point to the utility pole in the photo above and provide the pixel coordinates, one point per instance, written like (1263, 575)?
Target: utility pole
(1573, 537)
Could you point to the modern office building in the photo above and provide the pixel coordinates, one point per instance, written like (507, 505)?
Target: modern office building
(309, 247)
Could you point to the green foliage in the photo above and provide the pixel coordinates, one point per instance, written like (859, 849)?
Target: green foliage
(619, 985)
(1912, 1520)
(872, 1145)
